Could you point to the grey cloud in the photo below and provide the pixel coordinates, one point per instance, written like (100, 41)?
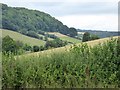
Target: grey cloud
(47, 4)
(71, 8)
(85, 8)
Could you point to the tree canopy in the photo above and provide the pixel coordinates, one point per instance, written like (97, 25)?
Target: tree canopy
(23, 20)
(9, 45)
(87, 37)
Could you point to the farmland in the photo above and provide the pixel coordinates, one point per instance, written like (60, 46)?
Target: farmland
(39, 51)
(33, 41)
(20, 37)
(65, 38)
(44, 37)
(66, 48)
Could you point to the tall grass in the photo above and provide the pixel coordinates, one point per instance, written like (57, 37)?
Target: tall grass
(81, 67)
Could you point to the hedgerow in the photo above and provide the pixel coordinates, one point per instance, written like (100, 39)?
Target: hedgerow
(81, 67)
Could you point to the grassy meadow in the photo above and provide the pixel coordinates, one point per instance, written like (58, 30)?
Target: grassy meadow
(20, 37)
(65, 37)
(44, 36)
(33, 41)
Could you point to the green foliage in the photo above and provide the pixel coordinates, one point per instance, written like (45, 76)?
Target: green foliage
(55, 43)
(94, 37)
(22, 19)
(36, 48)
(23, 38)
(27, 47)
(46, 38)
(15, 47)
(81, 67)
(99, 33)
(9, 45)
(51, 36)
(41, 48)
(73, 32)
(41, 32)
(33, 34)
(86, 37)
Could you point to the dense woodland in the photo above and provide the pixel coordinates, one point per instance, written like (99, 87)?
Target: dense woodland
(24, 20)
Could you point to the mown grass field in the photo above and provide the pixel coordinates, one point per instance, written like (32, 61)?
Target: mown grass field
(65, 38)
(25, 39)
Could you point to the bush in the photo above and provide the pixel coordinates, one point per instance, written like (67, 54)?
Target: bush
(51, 36)
(94, 37)
(9, 45)
(33, 34)
(46, 38)
(41, 32)
(42, 48)
(14, 47)
(73, 32)
(27, 47)
(86, 37)
(81, 67)
(55, 43)
(36, 48)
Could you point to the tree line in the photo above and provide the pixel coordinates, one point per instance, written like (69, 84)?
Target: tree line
(88, 37)
(17, 47)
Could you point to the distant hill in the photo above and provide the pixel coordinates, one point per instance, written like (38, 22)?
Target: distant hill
(101, 34)
(23, 20)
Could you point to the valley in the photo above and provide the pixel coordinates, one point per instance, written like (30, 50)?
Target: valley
(40, 52)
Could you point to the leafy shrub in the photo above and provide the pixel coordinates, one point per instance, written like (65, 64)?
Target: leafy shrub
(33, 34)
(55, 43)
(27, 47)
(87, 37)
(9, 45)
(81, 67)
(41, 32)
(36, 48)
(93, 37)
(51, 36)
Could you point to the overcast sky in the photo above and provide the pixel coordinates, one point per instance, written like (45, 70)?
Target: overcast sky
(86, 14)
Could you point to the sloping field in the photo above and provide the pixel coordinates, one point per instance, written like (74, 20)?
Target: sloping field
(44, 37)
(25, 39)
(62, 49)
(65, 38)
